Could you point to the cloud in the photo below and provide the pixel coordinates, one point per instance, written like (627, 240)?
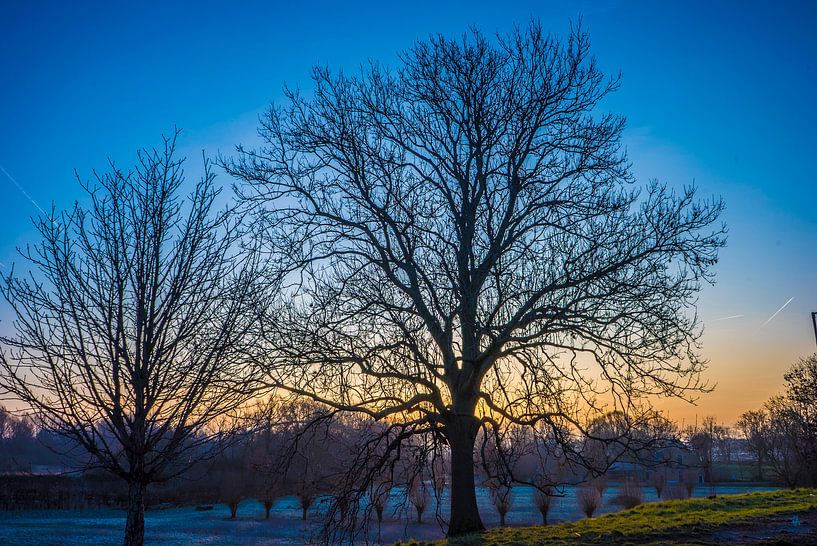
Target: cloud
(24, 192)
(768, 320)
(728, 318)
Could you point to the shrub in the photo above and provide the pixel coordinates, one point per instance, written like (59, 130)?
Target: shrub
(676, 491)
(418, 496)
(589, 500)
(501, 497)
(659, 481)
(306, 493)
(630, 496)
(379, 497)
(689, 480)
(543, 498)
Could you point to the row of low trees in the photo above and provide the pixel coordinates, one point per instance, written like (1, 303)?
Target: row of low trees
(285, 453)
(446, 249)
(278, 451)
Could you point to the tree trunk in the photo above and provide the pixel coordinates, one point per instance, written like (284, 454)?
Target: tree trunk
(303, 513)
(135, 520)
(462, 432)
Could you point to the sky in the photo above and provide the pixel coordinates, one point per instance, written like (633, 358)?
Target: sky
(719, 94)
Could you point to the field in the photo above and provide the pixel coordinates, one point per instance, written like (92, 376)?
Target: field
(770, 517)
(179, 526)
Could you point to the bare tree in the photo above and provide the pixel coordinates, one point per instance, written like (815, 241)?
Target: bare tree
(801, 416)
(630, 495)
(264, 450)
(589, 500)
(231, 472)
(306, 477)
(131, 327)
(658, 479)
(784, 432)
(689, 479)
(500, 453)
(501, 495)
(755, 427)
(418, 496)
(704, 440)
(379, 497)
(470, 246)
(6, 423)
(543, 499)
(677, 491)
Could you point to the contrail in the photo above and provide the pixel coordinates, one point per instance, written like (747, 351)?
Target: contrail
(728, 318)
(768, 320)
(24, 192)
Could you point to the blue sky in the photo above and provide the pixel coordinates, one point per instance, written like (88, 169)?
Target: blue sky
(717, 93)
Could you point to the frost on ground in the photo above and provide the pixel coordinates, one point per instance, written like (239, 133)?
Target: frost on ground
(185, 525)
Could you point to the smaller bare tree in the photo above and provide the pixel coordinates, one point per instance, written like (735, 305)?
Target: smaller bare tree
(689, 479)
(379, 497)
(306, 490)
(704, 439)
(501, 497)
(589, 500)
(754, 425)
(543, 499)
(676, 491)
(134, 323)
(267, 500)
(658, 480)
(418, 497)
(630, 495)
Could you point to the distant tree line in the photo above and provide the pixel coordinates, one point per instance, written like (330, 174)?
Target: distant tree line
(23, 445)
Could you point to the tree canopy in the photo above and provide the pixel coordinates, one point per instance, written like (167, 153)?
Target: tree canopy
(470, 245)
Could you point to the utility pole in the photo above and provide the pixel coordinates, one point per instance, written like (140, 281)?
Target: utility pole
(814, 322)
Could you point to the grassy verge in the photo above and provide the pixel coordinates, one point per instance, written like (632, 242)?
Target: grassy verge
(655, 522)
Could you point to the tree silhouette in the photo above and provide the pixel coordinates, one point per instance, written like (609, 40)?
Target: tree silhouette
(133, 325)
(469, 247)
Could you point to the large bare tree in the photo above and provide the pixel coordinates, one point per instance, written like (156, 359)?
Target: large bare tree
(132, 323)
(471, 245)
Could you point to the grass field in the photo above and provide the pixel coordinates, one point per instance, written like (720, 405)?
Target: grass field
(748, 518)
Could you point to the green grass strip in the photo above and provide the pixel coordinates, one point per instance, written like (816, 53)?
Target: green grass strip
(653, 522)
